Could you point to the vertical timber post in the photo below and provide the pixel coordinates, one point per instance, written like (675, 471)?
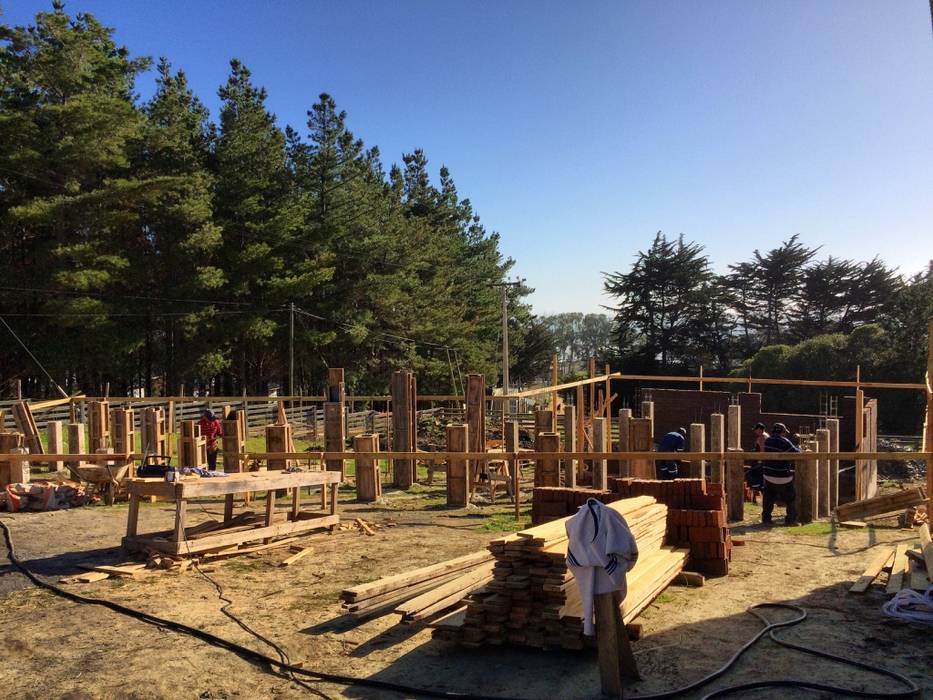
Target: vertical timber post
(717, 443)
(822, 445)
(697, 444)
(600, 444)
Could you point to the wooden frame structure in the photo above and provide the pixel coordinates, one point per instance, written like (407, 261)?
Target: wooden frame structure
(179, 541)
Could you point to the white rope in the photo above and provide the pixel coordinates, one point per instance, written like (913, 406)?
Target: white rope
(910, 606)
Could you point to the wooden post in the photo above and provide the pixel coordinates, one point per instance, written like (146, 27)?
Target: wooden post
(54, 431)
(625, 417)
(544, 421)
(20, 470)
(476, 418)
(335, 436)
(832, 424)
(607, 405)
(511, 446)
(98, 425)
(368, 481)
(600, 444)
(734, 424)
(807, 491)
(278, 439)
(570, 445)
(616, 660)
(459, 477)
(928, 423)
(581, 429)
(193, 452)
(735, 488)
(717, 422)
(647, 412)
(76, 443)
(554, 380)
(698, 444)
(123, 421)
(403, 439)
(591, 388)
(547, 469)
(822, 445)
(640, 440)
(860, 486)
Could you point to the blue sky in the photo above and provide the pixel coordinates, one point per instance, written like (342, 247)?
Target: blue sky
(578, 130)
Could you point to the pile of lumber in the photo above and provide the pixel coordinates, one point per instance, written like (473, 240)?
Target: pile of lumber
(907, 566)
(533, 599)
(696, 514)
(880, 505)
(419, 594)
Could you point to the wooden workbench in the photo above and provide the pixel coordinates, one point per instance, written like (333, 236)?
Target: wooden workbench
(179, 542)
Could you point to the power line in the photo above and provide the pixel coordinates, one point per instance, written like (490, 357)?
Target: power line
(34, 358)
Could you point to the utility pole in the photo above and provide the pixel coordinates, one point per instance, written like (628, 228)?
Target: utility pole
(505, 330)
(505, 340)
(291, 349)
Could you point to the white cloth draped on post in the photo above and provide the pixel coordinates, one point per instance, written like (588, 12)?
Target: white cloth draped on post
(600, 551)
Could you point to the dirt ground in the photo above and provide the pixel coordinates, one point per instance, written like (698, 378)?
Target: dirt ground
(56, 648)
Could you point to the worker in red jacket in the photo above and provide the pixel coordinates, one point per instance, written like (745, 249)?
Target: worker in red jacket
(210, 429)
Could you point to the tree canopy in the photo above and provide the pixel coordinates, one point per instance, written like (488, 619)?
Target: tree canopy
(147, 246)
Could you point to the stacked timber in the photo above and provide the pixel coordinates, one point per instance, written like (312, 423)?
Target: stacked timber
(421, 593)
(696, 514)
(533, 599)
(881, 505)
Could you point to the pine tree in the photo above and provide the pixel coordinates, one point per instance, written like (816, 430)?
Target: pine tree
(69, 196)
(258, 212)
(179, 244)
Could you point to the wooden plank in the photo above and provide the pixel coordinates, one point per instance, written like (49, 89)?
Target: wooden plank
(222, 539)
(878, 562)
(300, 554)
(899, 569)
(406, 578)
(600, 444)
(129, 570)
(880, 505)
(446, 594)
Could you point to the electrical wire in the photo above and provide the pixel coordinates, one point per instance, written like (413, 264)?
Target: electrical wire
(34, 358)
(270, 664)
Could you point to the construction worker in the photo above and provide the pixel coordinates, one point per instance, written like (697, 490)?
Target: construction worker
(779, 476)
(211, 430)
(674, 441)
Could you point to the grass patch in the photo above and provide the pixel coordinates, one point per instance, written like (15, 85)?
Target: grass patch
(502, 522)
(663, 598)
(812, 529)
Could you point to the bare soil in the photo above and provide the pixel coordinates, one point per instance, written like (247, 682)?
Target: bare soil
(57, 648)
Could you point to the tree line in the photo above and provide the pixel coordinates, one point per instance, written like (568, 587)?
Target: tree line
(148, 246)
(785, 313)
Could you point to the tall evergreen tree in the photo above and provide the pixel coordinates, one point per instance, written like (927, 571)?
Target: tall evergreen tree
(69, 197)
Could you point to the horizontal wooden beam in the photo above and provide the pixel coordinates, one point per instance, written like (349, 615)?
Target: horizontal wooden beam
(531, 455)
(42, 405)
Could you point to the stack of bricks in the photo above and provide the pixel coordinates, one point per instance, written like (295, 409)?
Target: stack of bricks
(696, 518)
(555, 502)
(696, 514)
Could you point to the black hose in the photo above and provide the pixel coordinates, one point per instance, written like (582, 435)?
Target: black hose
(268, 663)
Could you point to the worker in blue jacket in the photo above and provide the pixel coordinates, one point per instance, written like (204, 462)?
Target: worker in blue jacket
(674, 441)
(779, 477)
